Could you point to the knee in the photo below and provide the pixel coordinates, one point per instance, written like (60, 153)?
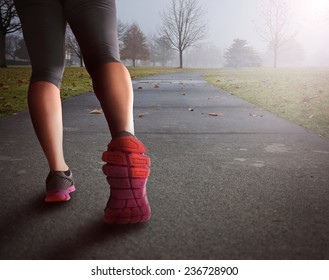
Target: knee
(46, 76)
(45, 70)
(101, 55)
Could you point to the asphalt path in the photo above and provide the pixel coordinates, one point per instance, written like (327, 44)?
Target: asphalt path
(228, 181)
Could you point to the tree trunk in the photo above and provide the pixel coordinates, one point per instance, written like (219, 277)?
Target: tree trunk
(81, 61)
(2, 50)
(180, 59)
(275, 57)
(134, 62)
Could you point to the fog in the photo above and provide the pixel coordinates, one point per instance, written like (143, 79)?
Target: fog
(238, 19)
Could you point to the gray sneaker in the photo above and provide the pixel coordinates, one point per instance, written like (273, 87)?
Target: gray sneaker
(59, 186)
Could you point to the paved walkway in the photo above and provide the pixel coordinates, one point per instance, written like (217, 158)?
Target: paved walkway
(244, 184)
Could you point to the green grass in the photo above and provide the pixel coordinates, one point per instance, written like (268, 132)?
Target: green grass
(14, 83)
(13, 87)
(137, 72)
(300, 95)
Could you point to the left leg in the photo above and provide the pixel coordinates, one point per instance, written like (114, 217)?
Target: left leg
(44, 26)
(94, 25)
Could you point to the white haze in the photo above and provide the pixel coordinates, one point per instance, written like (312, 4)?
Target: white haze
(231, 19)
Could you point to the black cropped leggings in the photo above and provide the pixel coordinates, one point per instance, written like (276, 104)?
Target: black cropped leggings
(93, 23)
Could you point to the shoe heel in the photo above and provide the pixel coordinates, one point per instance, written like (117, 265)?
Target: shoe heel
(127, 171)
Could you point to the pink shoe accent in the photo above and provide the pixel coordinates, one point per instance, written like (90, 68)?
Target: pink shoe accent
(127, 170)
(59, 195)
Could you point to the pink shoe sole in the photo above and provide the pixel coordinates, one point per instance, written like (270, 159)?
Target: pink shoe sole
(127, 170)
(59, 195)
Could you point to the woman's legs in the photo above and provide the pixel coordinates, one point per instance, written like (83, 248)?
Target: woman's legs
(94, 24)
(95, 27)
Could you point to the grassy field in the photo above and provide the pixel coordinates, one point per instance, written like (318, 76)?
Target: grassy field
(300, 95)
(14, 82)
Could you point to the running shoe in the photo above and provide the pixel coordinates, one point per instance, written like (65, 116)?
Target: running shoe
(127, 170)
(59, 185)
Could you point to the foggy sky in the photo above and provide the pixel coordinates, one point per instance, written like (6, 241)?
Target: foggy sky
(231, 19)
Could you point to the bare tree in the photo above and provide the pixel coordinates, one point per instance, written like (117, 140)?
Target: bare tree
(72, 45)
(134, 45)
(9, 23)
(183, 25)
(275, 27)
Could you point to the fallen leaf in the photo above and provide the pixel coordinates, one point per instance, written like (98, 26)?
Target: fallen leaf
(96, 111)
(254, 115)
(191, 109)
(311, 116)
(216, 114)
(140, 115)
(183, 93)
(140, 88)
(156, 86)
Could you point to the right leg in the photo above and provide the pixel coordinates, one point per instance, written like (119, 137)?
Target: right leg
(127, 169)
(94, 25)
(112, 86)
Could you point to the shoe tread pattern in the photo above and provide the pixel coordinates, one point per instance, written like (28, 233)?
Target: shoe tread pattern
(127, 170)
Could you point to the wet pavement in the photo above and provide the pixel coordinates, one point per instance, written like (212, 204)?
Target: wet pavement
(228, 181)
